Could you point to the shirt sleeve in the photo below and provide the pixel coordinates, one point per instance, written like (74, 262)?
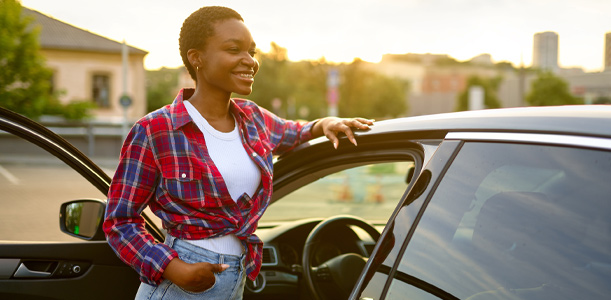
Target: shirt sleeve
(132, 186)
(286, 134)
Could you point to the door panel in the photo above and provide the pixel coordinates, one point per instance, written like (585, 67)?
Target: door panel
(102, 274)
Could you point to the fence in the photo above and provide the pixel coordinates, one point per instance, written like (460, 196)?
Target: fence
(94, 138)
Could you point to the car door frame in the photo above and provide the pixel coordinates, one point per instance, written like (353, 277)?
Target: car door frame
(102, 274)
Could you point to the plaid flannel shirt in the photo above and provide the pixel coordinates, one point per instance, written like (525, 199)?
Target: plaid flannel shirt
(165, 164)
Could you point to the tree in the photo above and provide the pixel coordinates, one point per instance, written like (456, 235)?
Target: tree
(161, 87)
(271, 81)
(548, 89)
(302, 86)
(490, 86)
(299, 86)
(368, 94)
(602, 100)
(24, 78)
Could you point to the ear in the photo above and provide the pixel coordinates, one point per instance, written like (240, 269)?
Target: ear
(194, 57)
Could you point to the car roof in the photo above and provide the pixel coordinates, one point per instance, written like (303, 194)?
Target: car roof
(584, 120)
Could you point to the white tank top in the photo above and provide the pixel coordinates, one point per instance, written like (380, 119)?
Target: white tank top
(240, 173)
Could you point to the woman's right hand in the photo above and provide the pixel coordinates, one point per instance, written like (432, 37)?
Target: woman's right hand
(196, 277)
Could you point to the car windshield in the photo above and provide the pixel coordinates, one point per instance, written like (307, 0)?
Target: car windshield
(369, 191)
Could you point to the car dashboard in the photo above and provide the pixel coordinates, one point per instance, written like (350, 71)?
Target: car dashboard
(281, 271)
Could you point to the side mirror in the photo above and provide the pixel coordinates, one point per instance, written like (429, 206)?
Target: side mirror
(83, 219)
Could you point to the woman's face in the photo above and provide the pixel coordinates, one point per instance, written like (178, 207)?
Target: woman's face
(227, 63)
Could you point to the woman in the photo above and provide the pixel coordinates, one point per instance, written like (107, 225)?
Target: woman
(204, 166)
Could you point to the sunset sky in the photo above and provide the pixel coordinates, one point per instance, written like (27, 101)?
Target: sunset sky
(341, 30)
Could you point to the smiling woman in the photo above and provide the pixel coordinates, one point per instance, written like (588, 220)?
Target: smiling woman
(204, 165)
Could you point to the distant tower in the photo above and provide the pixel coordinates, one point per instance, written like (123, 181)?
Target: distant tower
(545, 51)
(608, 51)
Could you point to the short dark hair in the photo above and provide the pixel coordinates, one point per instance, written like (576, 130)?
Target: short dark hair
(198, 27)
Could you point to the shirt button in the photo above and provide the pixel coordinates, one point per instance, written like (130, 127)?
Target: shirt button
(183, 175)
(254, 154)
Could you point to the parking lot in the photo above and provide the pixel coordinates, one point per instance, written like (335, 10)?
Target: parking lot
(33, 188)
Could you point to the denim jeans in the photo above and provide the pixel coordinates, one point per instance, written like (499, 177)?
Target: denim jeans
(229, 283)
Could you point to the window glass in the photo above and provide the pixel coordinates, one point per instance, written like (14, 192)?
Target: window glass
(371, 192)
(33, 185)
(514, 221)
(101, 90)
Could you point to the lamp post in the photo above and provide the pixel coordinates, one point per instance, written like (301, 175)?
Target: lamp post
(125, 100)
(332, 91)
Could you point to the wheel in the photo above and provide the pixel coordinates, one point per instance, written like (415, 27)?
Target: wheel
(335, 278)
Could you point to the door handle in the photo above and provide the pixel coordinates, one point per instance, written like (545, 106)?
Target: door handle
(24, 272)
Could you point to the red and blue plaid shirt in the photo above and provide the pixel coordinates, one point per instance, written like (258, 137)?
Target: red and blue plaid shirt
(165, 164)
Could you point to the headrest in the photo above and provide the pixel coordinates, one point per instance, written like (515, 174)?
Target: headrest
(509, 219)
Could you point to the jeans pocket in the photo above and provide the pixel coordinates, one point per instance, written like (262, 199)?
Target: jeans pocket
(176, 291)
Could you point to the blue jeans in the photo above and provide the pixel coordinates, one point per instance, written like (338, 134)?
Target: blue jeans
(229, 283)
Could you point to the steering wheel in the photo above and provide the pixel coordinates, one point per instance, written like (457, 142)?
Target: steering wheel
(339, 274)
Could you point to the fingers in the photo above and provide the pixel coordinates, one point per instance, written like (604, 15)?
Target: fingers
(362, 123)
(333, 138)
(218, 268)
(203, 277)
(333, 126)
(347, 130)
(345, 126)
(331, 134)
(359, 123)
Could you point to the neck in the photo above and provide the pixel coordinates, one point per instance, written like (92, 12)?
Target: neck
(212, 106)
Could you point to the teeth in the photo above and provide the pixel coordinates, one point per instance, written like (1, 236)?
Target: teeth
(246, 75)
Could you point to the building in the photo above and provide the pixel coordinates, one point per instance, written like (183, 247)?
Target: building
(88, 67)
(545, 51)
(435, 80)
(607, 66)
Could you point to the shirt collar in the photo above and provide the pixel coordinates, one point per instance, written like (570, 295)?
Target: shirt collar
(180, 116)
(178, 111)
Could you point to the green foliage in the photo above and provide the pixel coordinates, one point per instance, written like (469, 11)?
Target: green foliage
(490, 86)
(302, 86)
(24, 79)
(370, 95)
(161, 87)
(548, 89)
(449, 61)
(602, 100)
(387, 168)
(505, 66)
(274, 79)
(76, 110)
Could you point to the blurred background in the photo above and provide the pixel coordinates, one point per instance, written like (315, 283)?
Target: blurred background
(89, 69)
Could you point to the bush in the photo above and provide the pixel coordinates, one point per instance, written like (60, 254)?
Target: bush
(73, 111)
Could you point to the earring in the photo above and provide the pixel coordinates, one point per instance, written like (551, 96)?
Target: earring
(197, 69)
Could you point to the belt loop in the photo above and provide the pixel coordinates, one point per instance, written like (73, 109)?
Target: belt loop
(221, 259)
(169, 240)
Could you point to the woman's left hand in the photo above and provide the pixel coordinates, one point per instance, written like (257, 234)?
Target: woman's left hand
(332, 126)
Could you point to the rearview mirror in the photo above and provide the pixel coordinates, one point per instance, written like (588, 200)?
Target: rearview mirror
(83, 218)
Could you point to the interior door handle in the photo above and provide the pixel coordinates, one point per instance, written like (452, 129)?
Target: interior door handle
(24, 272)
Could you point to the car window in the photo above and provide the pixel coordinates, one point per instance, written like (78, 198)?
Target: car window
(369, 191)
(33, 185)
(514, 221)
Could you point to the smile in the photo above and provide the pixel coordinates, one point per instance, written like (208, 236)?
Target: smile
(243, 75)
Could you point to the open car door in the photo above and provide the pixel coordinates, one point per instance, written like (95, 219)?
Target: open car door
(39, 171)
